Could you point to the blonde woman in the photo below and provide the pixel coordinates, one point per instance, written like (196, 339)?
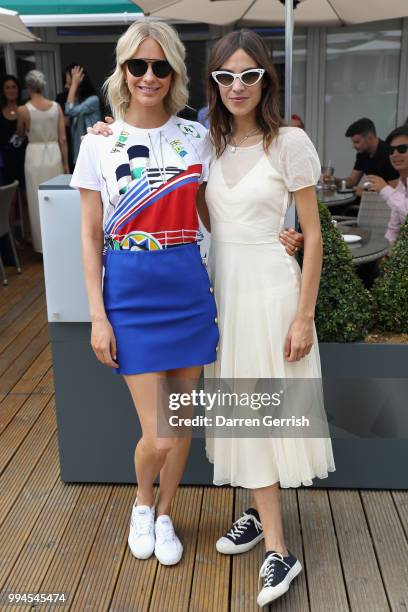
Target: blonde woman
(156, 316)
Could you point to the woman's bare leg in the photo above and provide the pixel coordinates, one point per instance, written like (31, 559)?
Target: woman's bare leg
(150, 451)
(154, 454)
(267, 501)
(173, 468)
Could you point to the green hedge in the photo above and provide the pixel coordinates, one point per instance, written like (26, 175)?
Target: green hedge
(344, 309)
(390, 290)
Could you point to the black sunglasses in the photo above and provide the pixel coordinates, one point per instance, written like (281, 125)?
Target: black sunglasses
(138, 67)
(400, 148)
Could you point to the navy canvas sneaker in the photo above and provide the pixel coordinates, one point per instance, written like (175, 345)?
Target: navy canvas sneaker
(278, 572)
(245, 533)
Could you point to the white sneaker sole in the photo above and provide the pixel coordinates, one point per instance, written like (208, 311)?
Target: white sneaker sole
(271, 593)
(226, 547)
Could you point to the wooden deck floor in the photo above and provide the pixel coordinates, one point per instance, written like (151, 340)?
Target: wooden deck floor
(72, 539)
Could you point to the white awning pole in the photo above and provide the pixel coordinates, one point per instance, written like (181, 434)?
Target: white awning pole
(288, 58)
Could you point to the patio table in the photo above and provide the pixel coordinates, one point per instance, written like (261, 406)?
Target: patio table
(372, 246)
(333, 199)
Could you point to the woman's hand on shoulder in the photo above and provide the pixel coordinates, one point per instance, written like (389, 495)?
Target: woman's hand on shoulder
(102, 128)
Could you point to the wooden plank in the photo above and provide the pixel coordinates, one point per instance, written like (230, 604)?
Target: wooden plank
(10, 334)
(71, 554)
(135, 582)
(401, 503)
(11, 402)
(390, 545)
(245, 567)
(103, 564)
(37, 555)
(322, 563)
(19, 469)
(361, 573)
(17, 368)
(22, 340)
(19, 285)
(172, 585)
(15, 433)
(28, 506)
(18, 302)
(211, 570)
(296, 600)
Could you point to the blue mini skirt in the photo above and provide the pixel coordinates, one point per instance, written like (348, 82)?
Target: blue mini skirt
(161, 307)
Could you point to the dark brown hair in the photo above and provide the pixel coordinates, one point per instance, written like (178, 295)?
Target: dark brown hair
(268, 115)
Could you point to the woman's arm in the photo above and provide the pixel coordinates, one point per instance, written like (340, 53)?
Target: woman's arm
(90, 105)
(102, 338)
(62, 140)
(300, 337)
(23, 121)
(77, 75)
(202, 208)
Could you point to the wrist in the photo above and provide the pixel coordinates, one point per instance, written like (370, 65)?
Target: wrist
(99, 317)
(305, 317)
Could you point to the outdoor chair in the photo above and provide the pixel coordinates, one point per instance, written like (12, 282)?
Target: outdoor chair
(373, 214)
(7, 193)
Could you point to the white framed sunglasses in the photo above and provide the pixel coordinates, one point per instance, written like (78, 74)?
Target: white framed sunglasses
(250, 77)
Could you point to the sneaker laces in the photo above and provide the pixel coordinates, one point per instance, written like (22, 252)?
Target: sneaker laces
(165, 532)
(267, 571)
(142, 522)
(241, 524)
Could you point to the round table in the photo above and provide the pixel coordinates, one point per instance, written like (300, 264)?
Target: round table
(372, 245)
(332, 198)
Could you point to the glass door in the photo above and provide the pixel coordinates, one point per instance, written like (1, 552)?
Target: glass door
(43, 57)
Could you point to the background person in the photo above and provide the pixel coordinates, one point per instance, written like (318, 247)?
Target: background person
(82, 106)
(395, 197)
(372, 155)
(61, 98)
(297, 121)
(12, 149)
(42, 121)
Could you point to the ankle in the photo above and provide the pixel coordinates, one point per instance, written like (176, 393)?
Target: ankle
(278, 547)
(144, 500)
(162, 510)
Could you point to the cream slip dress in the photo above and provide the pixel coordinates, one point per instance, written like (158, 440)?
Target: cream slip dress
(43, 161)
(257, 288)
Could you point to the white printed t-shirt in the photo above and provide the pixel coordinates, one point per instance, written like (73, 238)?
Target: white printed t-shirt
(148, 180)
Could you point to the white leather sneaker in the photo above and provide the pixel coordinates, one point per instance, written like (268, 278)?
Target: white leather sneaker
(168, 548)
(141, 538)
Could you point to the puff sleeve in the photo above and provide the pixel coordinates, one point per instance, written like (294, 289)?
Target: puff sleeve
(299, 162)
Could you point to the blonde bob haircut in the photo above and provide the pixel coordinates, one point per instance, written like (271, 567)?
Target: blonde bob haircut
(115, 87)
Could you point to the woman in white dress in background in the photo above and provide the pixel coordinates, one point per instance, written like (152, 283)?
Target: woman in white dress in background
(265, 303)
(46, 154)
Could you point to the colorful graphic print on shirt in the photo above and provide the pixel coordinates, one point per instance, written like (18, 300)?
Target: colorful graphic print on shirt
(156, 207)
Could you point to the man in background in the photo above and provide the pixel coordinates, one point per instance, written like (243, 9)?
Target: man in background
(372, 155)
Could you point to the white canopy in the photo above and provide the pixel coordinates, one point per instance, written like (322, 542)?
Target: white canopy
(272, 12)
(12, 29)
